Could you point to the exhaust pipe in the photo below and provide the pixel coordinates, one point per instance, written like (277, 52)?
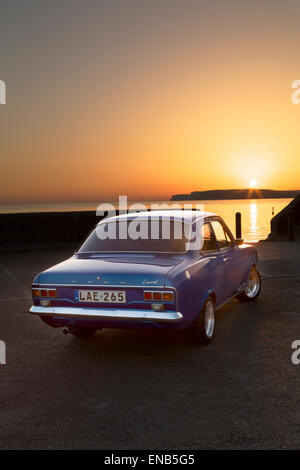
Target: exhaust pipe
(66, 330)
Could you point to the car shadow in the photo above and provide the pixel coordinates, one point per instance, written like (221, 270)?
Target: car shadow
(132, 344)
(127, 342)
(126, 345)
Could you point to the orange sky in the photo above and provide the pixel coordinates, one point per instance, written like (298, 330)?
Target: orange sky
(147, 99)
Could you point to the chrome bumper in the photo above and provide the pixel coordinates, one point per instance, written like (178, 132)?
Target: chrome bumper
(108, 313)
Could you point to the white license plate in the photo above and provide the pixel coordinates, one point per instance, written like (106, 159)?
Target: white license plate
(106, 296)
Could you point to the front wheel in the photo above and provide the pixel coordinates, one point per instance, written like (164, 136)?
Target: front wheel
(202, 330)
(252, 288)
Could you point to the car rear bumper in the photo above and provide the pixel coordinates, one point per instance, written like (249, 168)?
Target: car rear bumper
(107, 314)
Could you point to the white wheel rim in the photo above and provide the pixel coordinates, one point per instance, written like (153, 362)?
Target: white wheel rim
(253, 284)
(209, 319)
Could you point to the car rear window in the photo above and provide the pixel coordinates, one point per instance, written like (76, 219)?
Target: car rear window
(136, 235)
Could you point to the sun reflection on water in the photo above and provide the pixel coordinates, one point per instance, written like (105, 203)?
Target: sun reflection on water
(253, 219)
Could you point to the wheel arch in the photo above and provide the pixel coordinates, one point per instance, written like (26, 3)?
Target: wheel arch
(211, 293)
(213, 296)
(251, 265)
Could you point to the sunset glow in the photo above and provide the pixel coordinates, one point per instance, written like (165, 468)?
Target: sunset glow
(147, 102)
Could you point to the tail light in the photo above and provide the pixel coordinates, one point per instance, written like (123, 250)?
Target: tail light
(44, 293)
(157, 295)
(167, 296)
(147, 295)
(36, 293)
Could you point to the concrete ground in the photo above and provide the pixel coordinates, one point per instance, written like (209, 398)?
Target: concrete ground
(142, 389)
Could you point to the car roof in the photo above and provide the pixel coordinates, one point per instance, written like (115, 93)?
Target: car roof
(188, 216)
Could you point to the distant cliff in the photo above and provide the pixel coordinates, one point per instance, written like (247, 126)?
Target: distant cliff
(218, 194)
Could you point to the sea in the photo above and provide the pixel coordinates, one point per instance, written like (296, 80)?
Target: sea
(256, 213)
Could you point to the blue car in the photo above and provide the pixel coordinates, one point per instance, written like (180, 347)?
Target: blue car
(163, 281)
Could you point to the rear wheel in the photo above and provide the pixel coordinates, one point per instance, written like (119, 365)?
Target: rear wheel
(82, 332)
(252, 288)
(202, 330)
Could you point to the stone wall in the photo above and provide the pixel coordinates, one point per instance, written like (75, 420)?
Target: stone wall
(45, 229)
(286, 224)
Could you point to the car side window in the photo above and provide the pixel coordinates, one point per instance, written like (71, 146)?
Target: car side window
(229, 236)
(220, 234)
(208, 237)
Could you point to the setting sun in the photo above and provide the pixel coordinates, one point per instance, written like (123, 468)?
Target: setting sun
(252, 183)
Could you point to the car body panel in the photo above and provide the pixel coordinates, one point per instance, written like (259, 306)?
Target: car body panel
(143, 270)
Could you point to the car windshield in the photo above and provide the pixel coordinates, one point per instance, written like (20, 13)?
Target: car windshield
(137, 235)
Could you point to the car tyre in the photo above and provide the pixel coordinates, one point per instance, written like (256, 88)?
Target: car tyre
(252, 288)
(82, 332)
(203, 329)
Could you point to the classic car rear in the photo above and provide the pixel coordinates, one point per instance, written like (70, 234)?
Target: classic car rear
(142, 282)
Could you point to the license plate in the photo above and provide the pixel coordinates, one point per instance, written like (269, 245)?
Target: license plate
(104, 296)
